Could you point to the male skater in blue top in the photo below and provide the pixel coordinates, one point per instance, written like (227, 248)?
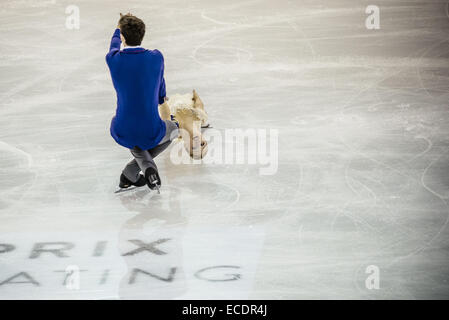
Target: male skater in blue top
(138, 78)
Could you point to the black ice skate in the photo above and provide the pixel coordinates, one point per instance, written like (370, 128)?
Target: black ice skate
(152, 179)
(126, 184)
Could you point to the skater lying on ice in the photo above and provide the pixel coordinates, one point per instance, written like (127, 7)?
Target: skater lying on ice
(146, 121)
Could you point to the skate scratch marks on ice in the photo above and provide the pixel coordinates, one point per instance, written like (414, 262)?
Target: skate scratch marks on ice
(7, 147)
(444, 225)
(427, 149)
(30, 163)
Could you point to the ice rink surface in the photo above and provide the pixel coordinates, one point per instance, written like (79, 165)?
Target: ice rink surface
(362, 183)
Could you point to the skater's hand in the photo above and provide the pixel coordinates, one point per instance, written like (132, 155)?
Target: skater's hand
(118, 23)
(164, 111)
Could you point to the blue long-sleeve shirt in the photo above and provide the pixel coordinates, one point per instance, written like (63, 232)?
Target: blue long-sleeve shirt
(138, 78)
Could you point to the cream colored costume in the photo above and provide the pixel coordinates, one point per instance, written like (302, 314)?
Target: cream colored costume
(188, 110)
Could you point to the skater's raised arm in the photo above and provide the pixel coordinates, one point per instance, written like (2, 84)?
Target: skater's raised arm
(116, 41)
(115, 44)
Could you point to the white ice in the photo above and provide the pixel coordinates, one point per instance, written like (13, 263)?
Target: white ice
(362, 176)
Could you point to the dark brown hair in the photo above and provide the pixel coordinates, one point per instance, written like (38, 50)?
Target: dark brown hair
(133, 29)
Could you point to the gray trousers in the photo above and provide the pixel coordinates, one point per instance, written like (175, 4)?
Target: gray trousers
(143, 159)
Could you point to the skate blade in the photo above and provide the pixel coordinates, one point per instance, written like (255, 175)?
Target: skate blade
(120, 190)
